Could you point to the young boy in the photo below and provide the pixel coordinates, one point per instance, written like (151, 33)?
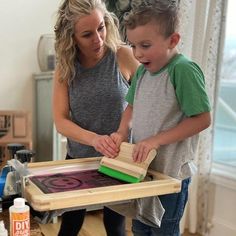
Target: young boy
(168, 105)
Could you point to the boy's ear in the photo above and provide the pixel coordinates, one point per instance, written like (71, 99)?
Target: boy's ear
(174, 39)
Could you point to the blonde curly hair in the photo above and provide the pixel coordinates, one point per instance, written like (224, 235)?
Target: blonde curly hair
(65, 45)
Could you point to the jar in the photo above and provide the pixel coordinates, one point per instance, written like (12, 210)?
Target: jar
(46, 52)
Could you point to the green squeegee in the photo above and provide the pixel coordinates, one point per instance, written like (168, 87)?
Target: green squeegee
(123, 167)
(119, 175)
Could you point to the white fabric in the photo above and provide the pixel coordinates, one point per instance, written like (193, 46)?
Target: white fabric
(201, 30)
(140, 209)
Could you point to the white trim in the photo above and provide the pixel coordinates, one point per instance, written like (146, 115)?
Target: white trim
(227, 108)
(223, 175)
(220, 226)
(228, 83)
(224, 223)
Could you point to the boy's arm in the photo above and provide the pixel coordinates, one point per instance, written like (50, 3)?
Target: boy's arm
(186, 128)
(123, 131)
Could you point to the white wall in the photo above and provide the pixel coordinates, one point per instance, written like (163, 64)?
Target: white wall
(21, 24)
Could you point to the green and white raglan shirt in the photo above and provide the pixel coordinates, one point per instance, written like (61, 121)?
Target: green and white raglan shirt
(162, 100)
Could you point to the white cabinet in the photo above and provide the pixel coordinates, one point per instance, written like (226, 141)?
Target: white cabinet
(43, 116)
(49, 144)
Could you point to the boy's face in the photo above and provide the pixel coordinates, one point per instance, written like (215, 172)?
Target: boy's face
(150, 47)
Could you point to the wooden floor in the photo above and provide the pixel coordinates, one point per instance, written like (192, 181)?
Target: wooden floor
(92, 226)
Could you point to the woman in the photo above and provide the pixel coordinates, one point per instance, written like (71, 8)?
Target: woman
(91, 80)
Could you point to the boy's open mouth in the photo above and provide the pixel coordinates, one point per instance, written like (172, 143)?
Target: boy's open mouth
(145, 63)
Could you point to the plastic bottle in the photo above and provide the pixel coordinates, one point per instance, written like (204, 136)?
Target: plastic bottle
(3, 230)
(19, 218)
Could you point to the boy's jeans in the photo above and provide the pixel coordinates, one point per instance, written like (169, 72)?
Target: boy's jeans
(174, 205)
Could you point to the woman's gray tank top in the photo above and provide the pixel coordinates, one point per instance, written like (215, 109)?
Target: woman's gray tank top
(96, 100)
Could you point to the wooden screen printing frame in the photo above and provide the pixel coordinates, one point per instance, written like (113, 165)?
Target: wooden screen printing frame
(159, 185)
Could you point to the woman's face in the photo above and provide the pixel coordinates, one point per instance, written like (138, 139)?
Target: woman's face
(90, 34)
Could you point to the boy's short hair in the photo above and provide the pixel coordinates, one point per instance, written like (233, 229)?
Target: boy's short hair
(164, 12)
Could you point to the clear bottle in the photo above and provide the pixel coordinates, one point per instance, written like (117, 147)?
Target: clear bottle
(19, 218)
(3, 230)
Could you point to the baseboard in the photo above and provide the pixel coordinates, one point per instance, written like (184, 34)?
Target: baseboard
(221, 227)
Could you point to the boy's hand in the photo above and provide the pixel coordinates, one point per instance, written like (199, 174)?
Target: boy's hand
(142, 148)
(117, 138)
(105, 145)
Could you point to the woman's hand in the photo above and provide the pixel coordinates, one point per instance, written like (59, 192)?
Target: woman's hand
(105, 145)
(117, 138)
(142, 148)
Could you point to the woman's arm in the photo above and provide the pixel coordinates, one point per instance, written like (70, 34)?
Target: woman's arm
(64, 125)
(123, 131)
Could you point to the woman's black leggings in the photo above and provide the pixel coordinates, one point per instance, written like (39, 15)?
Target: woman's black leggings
(72, 222)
